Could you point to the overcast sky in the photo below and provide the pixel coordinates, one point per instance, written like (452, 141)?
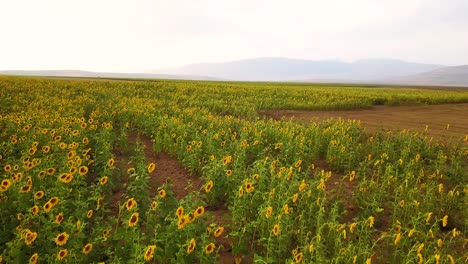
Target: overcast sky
(143, 35)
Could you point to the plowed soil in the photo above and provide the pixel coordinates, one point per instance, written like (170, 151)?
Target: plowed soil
(450, 120)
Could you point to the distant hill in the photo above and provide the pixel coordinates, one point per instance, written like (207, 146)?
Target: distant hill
(378, 71)
(285, 69)
(78, 73)
(447, 76)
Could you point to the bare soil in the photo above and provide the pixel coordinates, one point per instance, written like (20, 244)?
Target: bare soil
(384, 118)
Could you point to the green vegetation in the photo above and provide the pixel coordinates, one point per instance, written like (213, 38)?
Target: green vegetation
(297, 192)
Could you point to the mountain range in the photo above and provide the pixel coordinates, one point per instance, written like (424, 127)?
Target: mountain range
(378, 71)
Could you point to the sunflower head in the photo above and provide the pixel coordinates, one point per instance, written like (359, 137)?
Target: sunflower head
(87, 248)
(210, 248)
(61, 239)
(191, 246)
(133, 220)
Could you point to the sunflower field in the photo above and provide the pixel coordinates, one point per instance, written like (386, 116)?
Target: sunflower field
(295, 192)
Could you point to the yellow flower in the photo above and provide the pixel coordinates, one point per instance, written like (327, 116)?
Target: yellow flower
(371, 221)
(298, 258)
(397, 239)
(180, 212)
(249, 187)
(352, 175)
(402, 203)
(133, 219)
(276, 229)
(54, 201)
(369, 261)
(30, 237)
(268, 211)
(162, 193)
(32, 260)
(47, 206)
(110, 163)
(219, 231)
(35, 210)
(151, 167)
(149, 252)
(38, 195)
(59, 218)
(199, 211)
(428, 217)
(210, 248)
(61, 239)
(439, 242)
(62, 254)
(191, 246)
(87, 248)
(103, 180)
(228, 172)
(445, 221)
(302, 186)
(5, 185)
(83, 170)
(295, 196)
(241, 191)
(89, 214)
(154, 205)
(208, 186)
(286, 209)
(130, 204)
(411, 232)
(183, 221)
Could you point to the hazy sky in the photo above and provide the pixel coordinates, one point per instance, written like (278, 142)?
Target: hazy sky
(141, 35)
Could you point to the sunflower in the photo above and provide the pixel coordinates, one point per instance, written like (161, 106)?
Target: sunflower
(32, 151)
(76, 133)
(87, 248)
(151, 167)
(227, 160)
(371, 221)
(199, 212)
(241, 191)
(50, 171)
(228, 172)
(63, 145)
(89, 214)
(276, 229)
(7, 168)
(35, 210)
(83, 170)
(208, 186)
(38, 195)
(191, 246)
(183, 221)
(61, 239)
(73, 169)
(162, 193)
(41, 174)
(133, 220)
(249, 187)
(105, 233)
(302, 186)
(295, 196)
(26, 188)
(149, 252)
(154, 205)
(71, 154)
(180, 211)
(268, 211)
(66, 178)
(445, 221)
(99, 202)
(210, 248)
(54, 201)
(130, 204)
(103, 180)
(83, 125)
(34, 258)
(110, 163)
(219, 231)
(62, 254)
(47, 206)
(46, 149)
(6, 184)
(59, 218)
(188, 147)
(298, 258)
(286, 209)
(30, 237)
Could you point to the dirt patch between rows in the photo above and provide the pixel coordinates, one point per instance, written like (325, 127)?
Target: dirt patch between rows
(384, 118)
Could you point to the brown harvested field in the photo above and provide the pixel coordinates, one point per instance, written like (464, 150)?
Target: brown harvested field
(379, 118)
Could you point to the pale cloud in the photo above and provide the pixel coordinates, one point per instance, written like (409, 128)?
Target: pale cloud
(142, 35)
